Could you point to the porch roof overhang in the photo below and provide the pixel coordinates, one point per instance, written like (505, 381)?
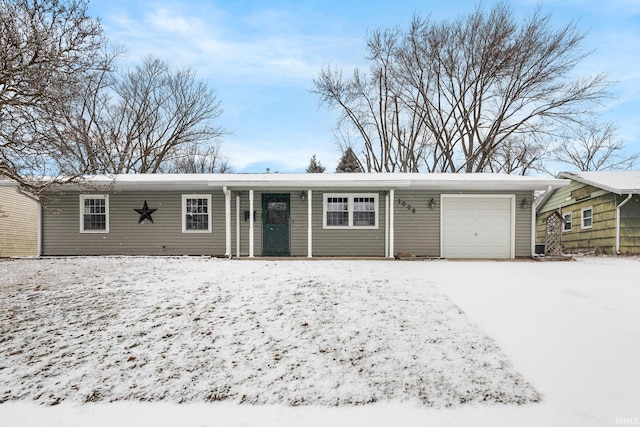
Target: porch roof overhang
(364, 181)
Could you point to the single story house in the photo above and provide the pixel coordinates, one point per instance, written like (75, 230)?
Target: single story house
(300, 215)
(601, 212)
(19, 221)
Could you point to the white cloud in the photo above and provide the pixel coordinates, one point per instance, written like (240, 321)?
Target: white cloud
(275, 53)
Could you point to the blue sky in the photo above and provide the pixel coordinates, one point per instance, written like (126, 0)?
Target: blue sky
(261, 58)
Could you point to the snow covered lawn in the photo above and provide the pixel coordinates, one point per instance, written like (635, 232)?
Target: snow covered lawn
(184, 330)
(318, 342)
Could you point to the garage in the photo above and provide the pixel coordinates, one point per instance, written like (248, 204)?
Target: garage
(477, 226)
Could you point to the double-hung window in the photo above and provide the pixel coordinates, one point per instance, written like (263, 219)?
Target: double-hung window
(350, 211)
(364, 211)
(196, 213)
(587, 217)
(337, 211)
(567, 221)
(94, 213)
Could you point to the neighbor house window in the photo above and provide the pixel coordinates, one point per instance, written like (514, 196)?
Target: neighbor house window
(587, 217)
(94, 213)
(568, 217)
(350, 211)
(196, 213)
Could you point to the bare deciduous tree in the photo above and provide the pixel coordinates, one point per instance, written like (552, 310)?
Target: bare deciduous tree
(152, 119)
(148, 120)
(458, 96)
(65, 113)
(79, 137)
(392, 135)
(47, 47)
(198, 158)
(592, 147)
(520, 155)
(161, 110)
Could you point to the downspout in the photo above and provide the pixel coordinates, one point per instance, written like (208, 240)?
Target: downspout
(618, 222)
(227, 220)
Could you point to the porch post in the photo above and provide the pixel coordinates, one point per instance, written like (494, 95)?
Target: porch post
(392, 197)
(227, 220)
(238, 225)
(309, 224)
(386, 224)
(251, 219)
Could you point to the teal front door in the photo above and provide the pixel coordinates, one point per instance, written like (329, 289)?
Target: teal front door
(275, 225)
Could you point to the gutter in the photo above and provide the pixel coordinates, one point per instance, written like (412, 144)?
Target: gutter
(618, 222)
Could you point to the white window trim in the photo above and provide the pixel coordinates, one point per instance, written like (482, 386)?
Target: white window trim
(350, 206)
(83, 197)
(582, 226)
(184, 212)
(564, 215)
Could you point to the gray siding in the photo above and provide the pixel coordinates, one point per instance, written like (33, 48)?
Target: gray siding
(523, 224)
(417, 226)
(419, 232)
(351, 242)
(297, 223)
(348, 242)
(245, 224)
(61, 227)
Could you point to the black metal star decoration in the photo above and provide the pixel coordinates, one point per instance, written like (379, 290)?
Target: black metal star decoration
(145, 212)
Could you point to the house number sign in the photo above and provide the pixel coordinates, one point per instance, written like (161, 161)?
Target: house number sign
(404, 204)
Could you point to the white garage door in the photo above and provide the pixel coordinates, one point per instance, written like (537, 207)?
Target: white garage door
(477, 226)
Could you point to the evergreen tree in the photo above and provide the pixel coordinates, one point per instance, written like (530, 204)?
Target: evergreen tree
(349, 163)
(315, 166)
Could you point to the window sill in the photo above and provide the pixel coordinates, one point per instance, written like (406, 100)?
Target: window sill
(350, 227)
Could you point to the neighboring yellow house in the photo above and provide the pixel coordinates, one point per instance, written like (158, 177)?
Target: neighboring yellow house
(19, 221)
(601, 212)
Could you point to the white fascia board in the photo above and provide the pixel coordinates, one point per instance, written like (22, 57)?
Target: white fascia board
(369, 181)
(480, 182)
(611, 181)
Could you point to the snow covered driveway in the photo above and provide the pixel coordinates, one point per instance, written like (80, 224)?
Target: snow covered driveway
(259, 332)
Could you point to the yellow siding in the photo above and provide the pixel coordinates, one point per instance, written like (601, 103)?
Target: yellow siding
(18, 223)
(600, 237)
(630, 227)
